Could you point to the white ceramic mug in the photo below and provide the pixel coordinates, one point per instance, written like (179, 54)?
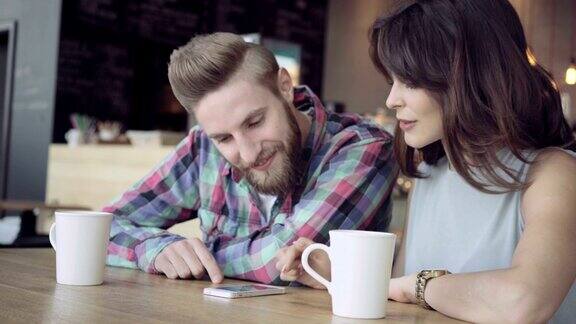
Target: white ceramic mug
(75, 137)
(361, 265)
(80, 239)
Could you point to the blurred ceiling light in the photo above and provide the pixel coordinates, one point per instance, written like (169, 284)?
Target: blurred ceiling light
(531, 57)
(571, 73)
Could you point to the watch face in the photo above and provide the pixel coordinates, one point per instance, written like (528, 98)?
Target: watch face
(440, 272)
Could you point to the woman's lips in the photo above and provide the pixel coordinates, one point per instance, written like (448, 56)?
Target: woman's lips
(406, 124)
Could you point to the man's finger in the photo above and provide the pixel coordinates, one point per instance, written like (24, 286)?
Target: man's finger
(293, 273)
(307, 280)
(207, 260)
(159, 262)
(178, 263)
(165, 267)
(162, 265)
(281, 256)
(302, 243)
(290, 275)
(192, 260)
(292, 259)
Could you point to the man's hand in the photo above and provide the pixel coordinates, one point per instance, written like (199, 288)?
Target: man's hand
(291, 268)
(186, 259)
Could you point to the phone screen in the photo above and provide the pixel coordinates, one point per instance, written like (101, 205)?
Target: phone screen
(244, 288)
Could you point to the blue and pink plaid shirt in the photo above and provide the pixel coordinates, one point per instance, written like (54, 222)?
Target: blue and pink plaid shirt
(348, 183)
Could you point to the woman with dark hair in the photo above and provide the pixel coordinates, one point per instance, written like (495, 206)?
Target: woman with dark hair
(492, 217)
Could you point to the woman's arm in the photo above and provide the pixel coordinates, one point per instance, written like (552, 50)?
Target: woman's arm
(400, 253)
(543, 267)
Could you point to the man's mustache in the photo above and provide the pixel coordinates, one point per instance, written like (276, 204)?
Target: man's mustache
(262, 157)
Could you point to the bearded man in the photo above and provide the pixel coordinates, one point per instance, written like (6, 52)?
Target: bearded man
(266, 165)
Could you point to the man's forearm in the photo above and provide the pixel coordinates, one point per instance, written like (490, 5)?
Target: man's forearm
(136, 247)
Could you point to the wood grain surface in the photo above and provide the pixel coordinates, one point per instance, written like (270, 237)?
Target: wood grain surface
(29, 293)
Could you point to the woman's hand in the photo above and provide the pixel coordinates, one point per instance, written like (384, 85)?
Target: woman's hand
(291, 268)
(403, 289)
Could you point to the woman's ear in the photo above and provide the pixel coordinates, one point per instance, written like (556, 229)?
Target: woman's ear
(285, 85)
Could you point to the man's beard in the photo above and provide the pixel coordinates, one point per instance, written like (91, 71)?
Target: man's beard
(280, 179)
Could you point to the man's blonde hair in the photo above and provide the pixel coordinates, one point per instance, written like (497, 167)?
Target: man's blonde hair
(207, 62)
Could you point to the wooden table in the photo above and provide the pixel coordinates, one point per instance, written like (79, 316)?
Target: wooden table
(29, 293)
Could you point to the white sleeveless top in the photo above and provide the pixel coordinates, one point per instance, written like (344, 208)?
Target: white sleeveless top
(456, 227)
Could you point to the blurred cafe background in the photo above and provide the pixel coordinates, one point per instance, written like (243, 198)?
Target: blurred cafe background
(86, 109)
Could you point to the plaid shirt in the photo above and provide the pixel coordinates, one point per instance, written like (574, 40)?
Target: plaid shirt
(349, 179)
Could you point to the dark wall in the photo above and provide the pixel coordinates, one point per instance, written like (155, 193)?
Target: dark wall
(32, 108)
(7, 44)
(114, 54)
(298, 21)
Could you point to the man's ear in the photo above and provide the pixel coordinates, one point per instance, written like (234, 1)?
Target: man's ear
(285, 85)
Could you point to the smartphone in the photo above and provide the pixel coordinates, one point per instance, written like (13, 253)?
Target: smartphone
(247, 290)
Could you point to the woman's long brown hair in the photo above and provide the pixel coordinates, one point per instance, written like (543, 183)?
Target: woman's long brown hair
(473, 55)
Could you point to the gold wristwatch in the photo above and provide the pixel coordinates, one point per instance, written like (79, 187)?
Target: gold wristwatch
(421, 281)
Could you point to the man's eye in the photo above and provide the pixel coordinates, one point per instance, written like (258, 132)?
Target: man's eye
(223, 139)
(256, 123)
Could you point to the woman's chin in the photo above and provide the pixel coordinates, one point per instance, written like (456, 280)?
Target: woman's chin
(417, 143)
(413, 143)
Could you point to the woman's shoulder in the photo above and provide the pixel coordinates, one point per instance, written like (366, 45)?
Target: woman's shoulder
(551, 183)
(553, 162)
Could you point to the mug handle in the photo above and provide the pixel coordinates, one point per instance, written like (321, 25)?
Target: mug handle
(308, 268)
(52, 235)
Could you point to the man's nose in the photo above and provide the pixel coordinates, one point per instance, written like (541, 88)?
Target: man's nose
(249, 151)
